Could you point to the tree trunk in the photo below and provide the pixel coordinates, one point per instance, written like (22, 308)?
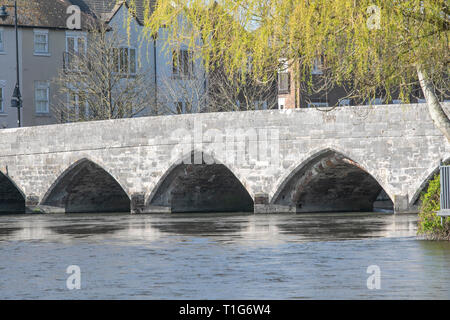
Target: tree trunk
(437, 113)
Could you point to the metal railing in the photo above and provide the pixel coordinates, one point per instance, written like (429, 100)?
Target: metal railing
(445, 191)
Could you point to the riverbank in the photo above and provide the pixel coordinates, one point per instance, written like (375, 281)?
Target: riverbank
(430, 225)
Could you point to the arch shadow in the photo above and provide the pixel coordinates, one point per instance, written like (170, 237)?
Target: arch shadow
(85, 187)
(12, 198)
(200, 187)
(329, 181)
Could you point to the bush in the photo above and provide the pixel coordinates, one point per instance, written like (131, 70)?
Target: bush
(429, 222)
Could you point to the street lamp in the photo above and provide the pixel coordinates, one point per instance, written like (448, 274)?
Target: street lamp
(16, 101)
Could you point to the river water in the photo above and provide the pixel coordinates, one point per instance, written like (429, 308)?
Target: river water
(220, 256)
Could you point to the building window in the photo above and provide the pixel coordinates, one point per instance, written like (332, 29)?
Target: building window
(2, 41)
(281, 103)
(75, 46)
(2, 108)
(41, 96)
(77, 105)
(284, 77)
(260, 105)
(284, 82)
(125, 60)
(375, 101)
(75, 43)
(344, 102)
(182, 63)
(318, 65)
(318, 103)
(41, 42)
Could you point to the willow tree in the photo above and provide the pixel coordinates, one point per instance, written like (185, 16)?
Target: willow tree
(387, 44)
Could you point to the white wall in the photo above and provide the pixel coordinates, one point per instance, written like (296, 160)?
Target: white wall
(146, 57)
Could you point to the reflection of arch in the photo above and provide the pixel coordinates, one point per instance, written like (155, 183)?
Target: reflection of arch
(189, 187)
(12, 199)
(426, 177)
(330, 181)
(86, 187)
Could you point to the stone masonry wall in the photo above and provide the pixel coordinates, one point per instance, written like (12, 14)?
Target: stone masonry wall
(397, 144)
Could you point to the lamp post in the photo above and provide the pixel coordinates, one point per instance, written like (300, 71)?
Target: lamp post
(16, 101)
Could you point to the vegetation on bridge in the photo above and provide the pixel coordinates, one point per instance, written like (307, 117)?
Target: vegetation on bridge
(430, 226)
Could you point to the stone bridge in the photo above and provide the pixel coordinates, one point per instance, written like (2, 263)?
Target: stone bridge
(350, 159)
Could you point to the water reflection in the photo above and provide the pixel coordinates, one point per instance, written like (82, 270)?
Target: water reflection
(85, 229)
(24, 230)
(232, 256)
(222, 228)
(201, 224)
(139, 230)
(261, 230)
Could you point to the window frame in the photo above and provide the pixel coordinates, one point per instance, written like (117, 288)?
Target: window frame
(117, 56)
(344, 102)
(2, 97)
(40, 85)
(41, 32)
(76, 50)
(76, 105)
(281, 103)
(317, 104)
(260, 104)
(377, 101)
(318, 65)
(2, 41)
(283, 70)
(76, 35)
(183, 68)
(287, 89)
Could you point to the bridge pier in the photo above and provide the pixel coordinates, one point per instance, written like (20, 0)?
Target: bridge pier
(273, 208)
(263, 206)
(32, 204)
(401, 204)
(137, 203)
(261, 202)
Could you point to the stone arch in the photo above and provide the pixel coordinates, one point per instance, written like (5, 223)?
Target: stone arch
(202, 187)
(425, 180)
(85, 187)
(12, 198)
(328, 181)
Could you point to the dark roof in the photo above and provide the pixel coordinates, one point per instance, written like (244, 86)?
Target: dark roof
(96, 7)
(52, 13)
(43, 13)
(105, 9)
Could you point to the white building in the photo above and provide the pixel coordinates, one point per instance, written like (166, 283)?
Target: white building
(179, 84)
(44, 41)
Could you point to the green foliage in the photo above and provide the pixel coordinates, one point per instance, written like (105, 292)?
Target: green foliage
(373, 49)
(429, 222)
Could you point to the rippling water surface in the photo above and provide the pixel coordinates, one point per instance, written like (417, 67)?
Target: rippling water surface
(220, 256)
